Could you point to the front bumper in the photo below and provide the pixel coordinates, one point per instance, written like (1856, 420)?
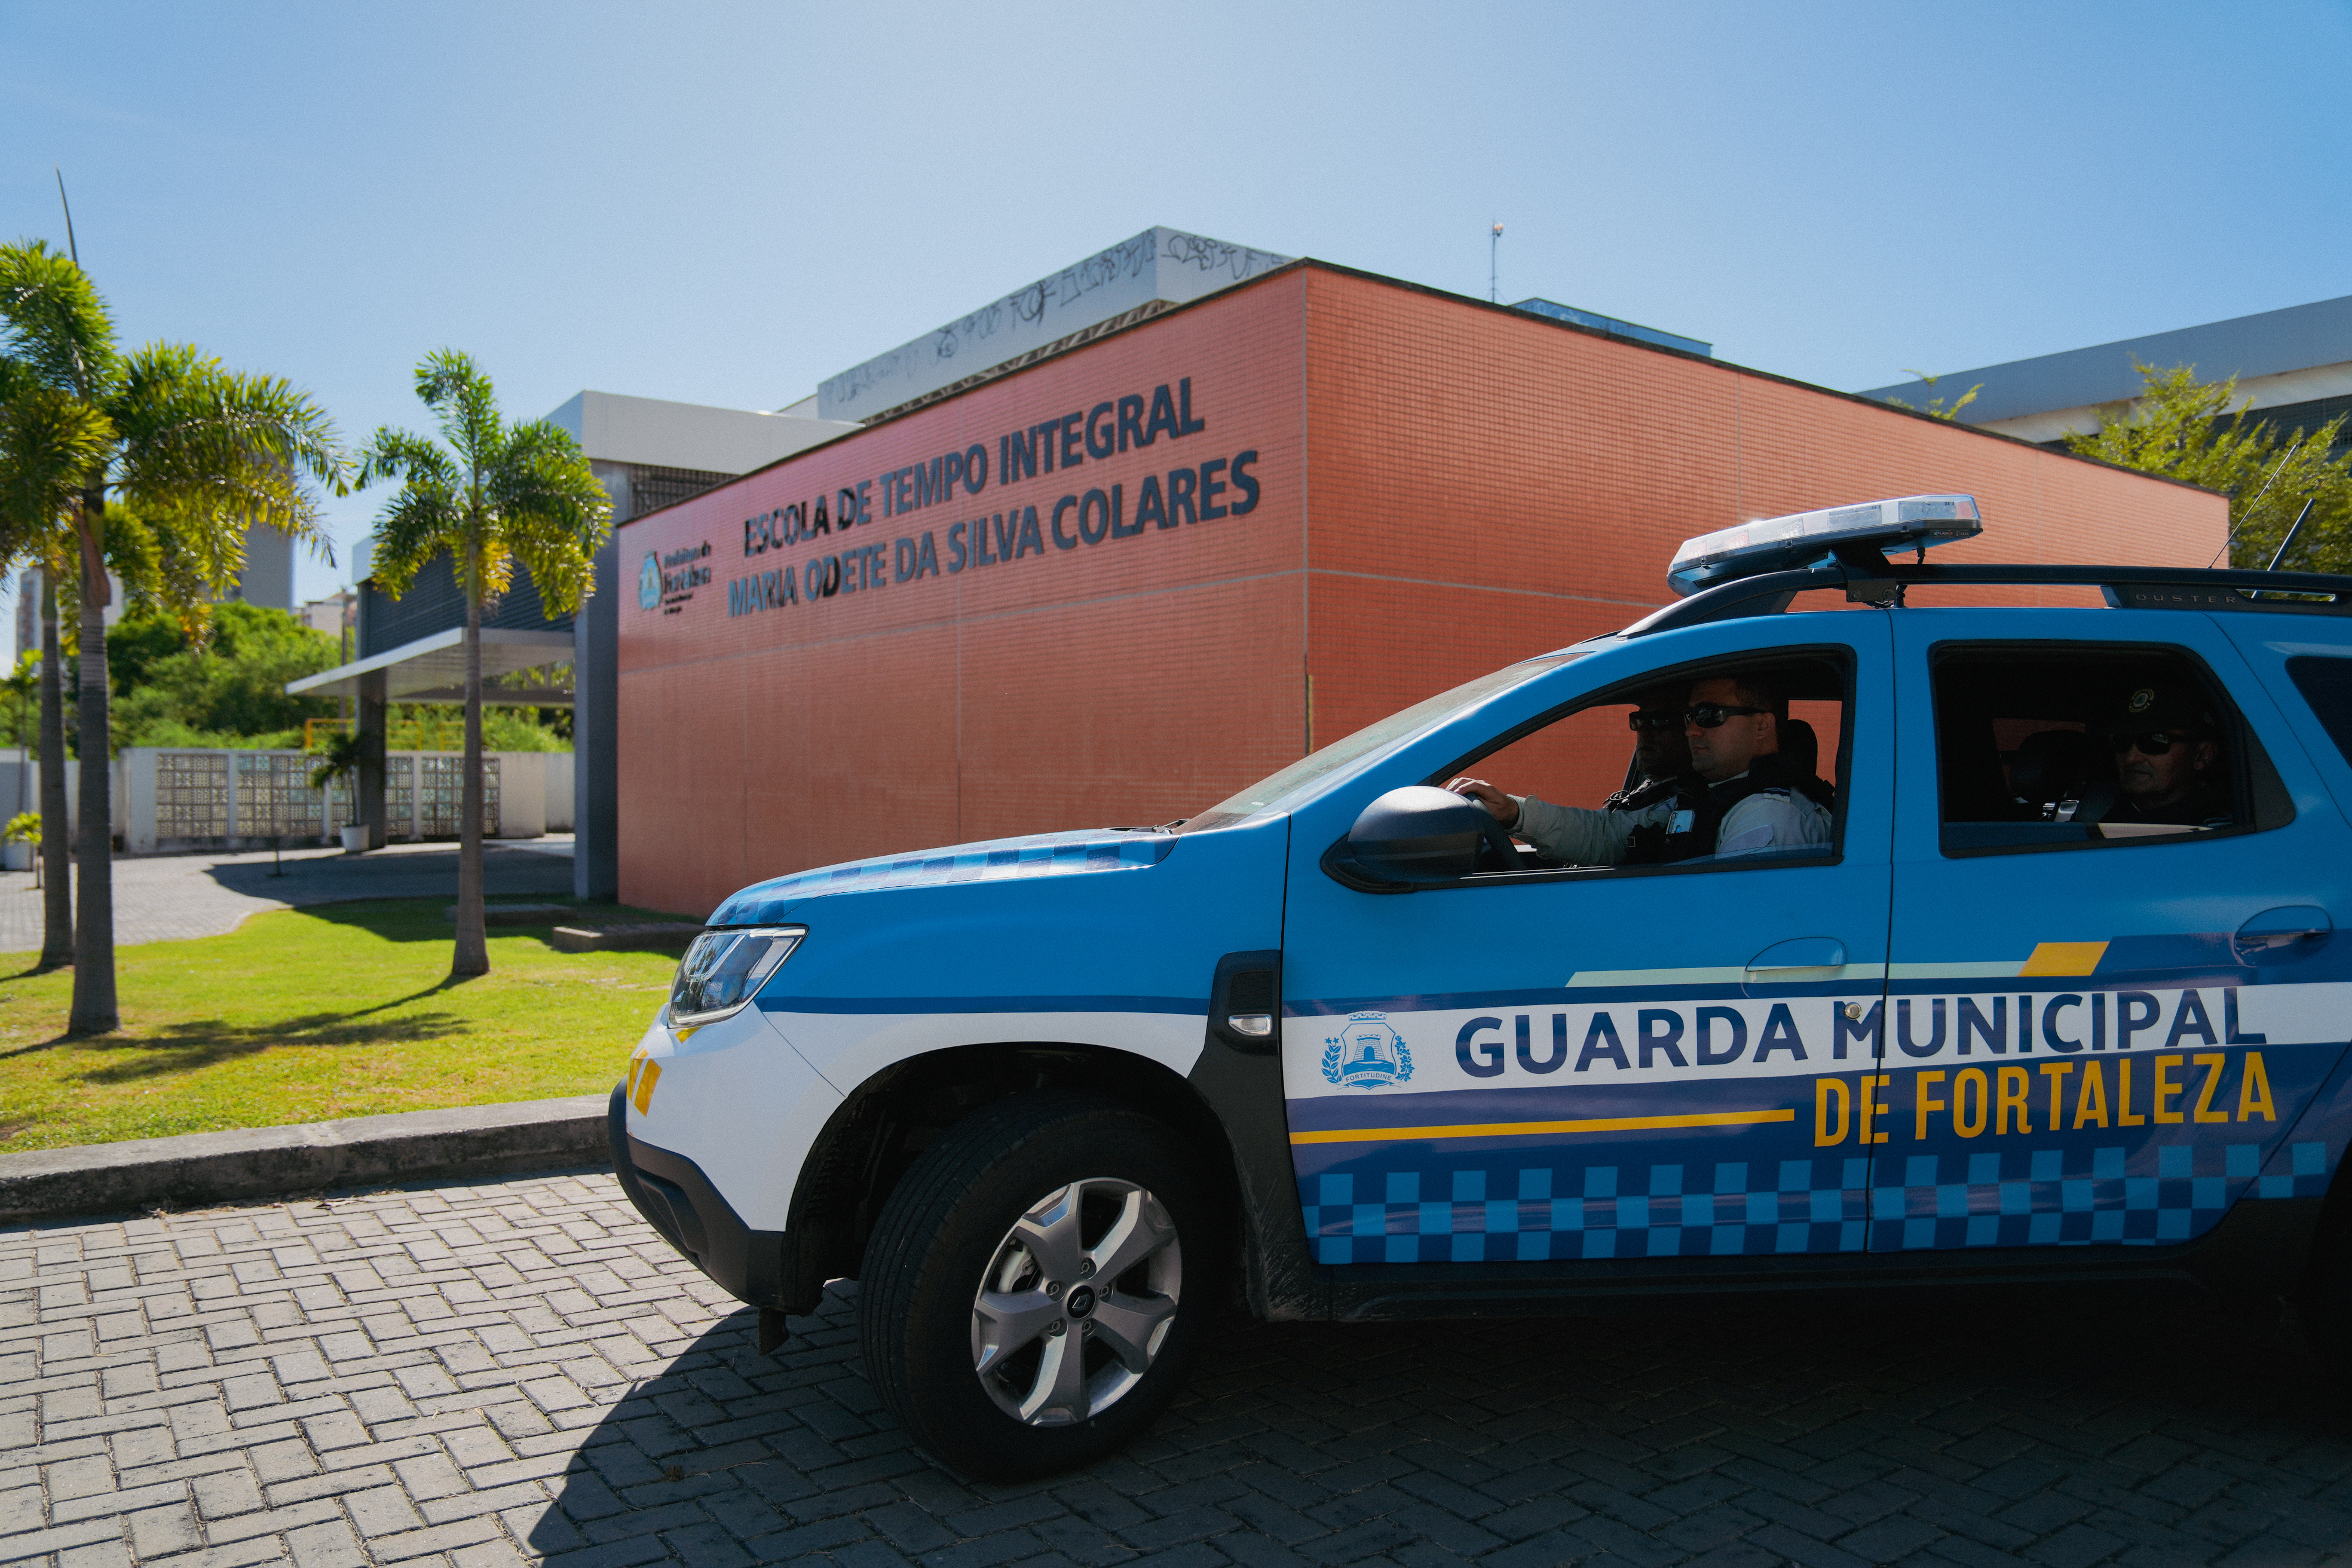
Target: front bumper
(677, 1200)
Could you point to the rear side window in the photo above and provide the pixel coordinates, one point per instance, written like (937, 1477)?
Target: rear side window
(2326, 684)
(2072, 745)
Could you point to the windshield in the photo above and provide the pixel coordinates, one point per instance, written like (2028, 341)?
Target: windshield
(1274, 791)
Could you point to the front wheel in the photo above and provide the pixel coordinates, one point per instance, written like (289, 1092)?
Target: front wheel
(1035, 1285)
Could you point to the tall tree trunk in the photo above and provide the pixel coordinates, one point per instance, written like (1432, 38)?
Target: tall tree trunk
(473, 956)
(94, 1011)
(56, 854)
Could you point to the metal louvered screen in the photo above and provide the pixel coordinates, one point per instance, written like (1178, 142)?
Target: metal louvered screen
(651, 488)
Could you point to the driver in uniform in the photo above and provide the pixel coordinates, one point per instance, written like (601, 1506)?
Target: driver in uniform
(1738, 797)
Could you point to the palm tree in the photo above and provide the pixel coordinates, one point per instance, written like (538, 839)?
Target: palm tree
(48, 442)
(57, 881)
(23, 684)
(498, 493)
(200, 454)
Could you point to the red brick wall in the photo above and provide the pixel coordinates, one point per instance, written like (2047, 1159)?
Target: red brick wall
(1131, 681)
(1486, 487)
(1444, 488)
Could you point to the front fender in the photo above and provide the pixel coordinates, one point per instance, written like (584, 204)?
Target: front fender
(1120, 960)
(738, 1102)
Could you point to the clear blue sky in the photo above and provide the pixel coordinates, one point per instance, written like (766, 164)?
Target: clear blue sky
(725, 202)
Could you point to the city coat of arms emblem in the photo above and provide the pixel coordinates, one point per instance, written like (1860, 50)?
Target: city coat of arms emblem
(1367, 1053)
(649, 584)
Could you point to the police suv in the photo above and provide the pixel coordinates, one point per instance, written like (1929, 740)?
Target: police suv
(2028, 975)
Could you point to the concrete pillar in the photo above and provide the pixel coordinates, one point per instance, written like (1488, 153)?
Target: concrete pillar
(596, 733)
(373, 722)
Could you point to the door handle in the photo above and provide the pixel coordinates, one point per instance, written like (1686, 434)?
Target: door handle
(1798, 959)
(2282, 933)
(1798, 953)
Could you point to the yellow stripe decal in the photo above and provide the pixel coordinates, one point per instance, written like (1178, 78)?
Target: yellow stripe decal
(1543, 1129)
(2064, 958)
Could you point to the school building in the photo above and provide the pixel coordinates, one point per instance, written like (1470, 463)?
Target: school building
(1116, 572)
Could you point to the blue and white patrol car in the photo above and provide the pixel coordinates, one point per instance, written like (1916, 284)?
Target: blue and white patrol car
(2054, 994)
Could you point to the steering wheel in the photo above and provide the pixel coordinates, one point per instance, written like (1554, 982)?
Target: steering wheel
(1496, 851)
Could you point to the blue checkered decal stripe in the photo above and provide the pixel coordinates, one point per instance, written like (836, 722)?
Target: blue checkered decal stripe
(1514, 1213)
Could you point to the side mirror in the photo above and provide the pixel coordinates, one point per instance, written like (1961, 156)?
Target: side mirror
(1416, 836)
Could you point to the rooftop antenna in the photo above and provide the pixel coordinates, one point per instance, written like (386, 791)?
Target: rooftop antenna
(1494, 252)
(2288, 542)
(2231, 537)
(71, 248)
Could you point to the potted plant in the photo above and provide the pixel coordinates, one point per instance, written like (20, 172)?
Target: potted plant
(340, 760)
(17, 837)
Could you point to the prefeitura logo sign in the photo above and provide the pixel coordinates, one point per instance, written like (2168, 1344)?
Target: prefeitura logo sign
(1367, 1054)
(667, 581)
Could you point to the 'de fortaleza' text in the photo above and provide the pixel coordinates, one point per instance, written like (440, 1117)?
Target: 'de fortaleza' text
(1152, 495)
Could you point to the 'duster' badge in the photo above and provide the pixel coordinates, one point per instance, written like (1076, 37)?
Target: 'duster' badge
(1367, 1054)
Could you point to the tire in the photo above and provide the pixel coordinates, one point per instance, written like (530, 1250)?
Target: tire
(2323, 1303)
(1018, 1193)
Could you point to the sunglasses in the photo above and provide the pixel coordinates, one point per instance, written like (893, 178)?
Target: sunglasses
(2154, 745)
(1711, 715)
(1653, 720)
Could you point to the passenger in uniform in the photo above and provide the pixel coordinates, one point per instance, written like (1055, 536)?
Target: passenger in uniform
(1741, 796)
(1661, 767)
(2167, 761)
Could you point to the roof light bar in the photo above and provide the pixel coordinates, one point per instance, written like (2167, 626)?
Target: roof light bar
(1786, 543)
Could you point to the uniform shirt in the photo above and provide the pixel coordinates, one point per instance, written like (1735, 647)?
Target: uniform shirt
(1769, 819)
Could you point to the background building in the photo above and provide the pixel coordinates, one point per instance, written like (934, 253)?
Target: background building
(2294, 366)
(333, 615)
(647, 452)
(1613, 326)
(1132, 281)
(268, 580)
(1117, 580)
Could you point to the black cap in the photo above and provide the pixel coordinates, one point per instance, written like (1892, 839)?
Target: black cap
(2162, 706)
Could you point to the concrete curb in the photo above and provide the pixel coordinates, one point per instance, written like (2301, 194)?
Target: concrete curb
(517, 914)
(658, 936)
(204, 1168)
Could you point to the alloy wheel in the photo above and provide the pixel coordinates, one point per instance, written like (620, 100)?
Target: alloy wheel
(1076, 1301)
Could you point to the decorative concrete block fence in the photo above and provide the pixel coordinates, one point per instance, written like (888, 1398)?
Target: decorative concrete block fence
(172, 800)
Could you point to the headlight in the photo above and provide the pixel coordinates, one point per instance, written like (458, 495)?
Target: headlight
(725, 969)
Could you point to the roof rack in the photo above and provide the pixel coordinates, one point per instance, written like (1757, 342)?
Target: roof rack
(1883, 582)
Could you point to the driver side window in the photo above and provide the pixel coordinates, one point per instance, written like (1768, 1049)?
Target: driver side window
(1726, 765)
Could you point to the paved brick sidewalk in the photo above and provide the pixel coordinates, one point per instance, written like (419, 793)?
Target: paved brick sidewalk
(168, 898)
(474, 1374)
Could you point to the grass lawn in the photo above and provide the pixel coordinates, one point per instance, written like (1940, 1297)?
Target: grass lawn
(309, 1014)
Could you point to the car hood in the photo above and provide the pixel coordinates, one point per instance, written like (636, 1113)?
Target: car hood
(1080, 853)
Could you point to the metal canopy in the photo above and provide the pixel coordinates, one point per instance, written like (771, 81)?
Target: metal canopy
(433, 669)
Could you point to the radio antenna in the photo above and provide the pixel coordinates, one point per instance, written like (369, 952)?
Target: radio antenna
(2248, 511)
(1493, 255)
(2288, 542)
(71, 248)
